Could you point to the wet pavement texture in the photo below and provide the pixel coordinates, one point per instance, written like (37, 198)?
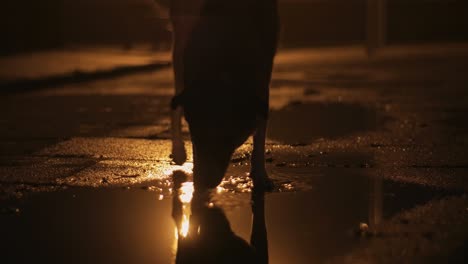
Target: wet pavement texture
(368, 156)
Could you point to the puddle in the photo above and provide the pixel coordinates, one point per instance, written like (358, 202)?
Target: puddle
(304, 122)
(86, 225)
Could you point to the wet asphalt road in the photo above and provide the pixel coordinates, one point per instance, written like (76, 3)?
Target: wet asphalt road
(368, 156)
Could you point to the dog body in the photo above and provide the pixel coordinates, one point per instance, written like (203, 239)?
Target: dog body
(223, 56)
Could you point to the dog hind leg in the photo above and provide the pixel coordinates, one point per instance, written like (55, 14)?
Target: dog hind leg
(257, 170)
(178, 154)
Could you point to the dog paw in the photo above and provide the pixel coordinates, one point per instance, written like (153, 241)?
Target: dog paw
(179, 155)
(179, 177)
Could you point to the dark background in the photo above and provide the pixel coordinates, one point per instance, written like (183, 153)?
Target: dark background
(31, 25)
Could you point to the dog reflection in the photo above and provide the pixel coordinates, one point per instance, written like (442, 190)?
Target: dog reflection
(204, 232)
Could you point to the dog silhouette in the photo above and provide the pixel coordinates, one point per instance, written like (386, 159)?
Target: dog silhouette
(223, 56)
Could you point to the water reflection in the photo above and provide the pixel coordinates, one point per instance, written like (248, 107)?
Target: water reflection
(204, 234)
(375, 201)
(134, 226)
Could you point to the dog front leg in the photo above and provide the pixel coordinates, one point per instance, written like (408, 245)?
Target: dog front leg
(257, 167)
(179, 155)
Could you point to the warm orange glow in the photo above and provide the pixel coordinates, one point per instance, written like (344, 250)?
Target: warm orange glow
(185, 197)
(186, 167)
(176, 235)
(174, 244)
(220, 189)
(186, 192)
(184, 226)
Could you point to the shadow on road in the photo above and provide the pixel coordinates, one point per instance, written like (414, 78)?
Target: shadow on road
(304, 122)
(24, 85)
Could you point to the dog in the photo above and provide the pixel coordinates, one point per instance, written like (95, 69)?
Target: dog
(223, 53)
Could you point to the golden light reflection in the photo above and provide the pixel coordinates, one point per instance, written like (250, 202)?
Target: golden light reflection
(220, 189)
(186, 167)
(174, 244)
(176, 235)
(185, 196)
(235, 184)
(184, 226)
(186, 192)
